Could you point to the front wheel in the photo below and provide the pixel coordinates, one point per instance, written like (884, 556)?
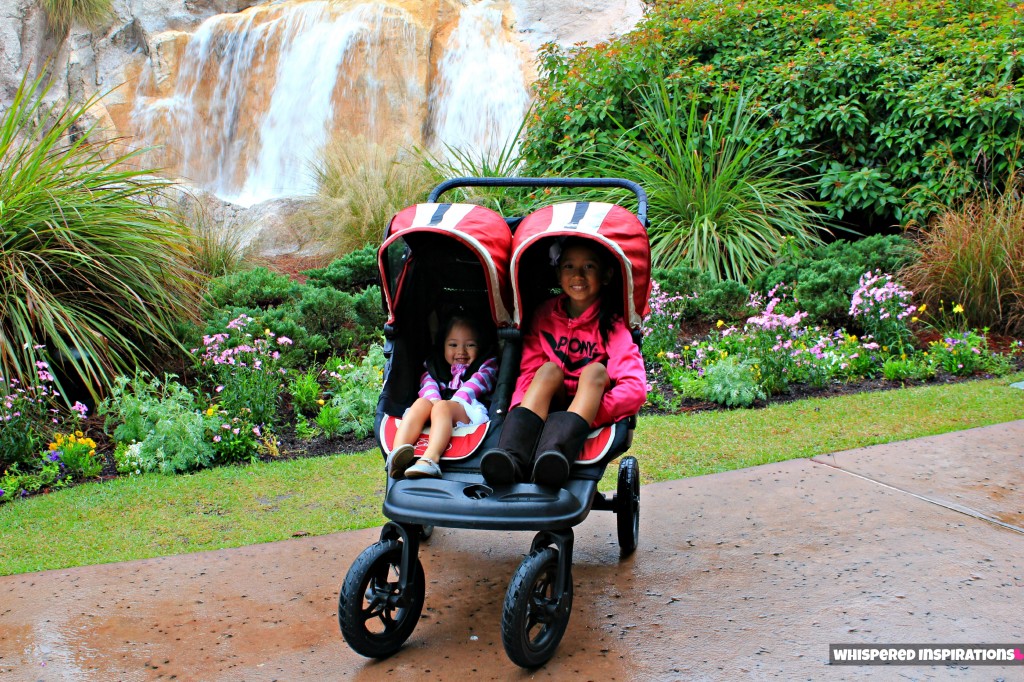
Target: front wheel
(534, 617)
(376, 616)
(627, 507)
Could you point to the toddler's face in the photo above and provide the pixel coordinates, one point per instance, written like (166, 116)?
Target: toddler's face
(460, 347)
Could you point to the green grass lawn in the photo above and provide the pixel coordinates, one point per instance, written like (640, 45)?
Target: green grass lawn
(156, 515)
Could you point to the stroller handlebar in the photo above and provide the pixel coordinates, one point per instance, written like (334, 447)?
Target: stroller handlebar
(637, 190)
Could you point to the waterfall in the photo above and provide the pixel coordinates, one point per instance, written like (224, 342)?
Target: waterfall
(481, 98)
(256, 95)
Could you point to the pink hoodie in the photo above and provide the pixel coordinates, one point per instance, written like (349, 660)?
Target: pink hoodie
(572, 344)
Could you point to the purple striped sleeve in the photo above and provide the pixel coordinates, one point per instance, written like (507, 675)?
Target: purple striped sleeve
(429, 388)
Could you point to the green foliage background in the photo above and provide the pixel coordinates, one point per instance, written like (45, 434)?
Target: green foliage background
(910, 104)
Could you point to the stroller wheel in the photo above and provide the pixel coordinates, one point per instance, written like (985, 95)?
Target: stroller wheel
(534, 617)
(376, 616)
(627, 507)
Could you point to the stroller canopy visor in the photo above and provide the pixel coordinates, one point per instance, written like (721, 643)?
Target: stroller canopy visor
(481, 230)
(610, 225)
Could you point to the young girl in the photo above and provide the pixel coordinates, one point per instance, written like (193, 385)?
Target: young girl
(461, 373)
(579, 368)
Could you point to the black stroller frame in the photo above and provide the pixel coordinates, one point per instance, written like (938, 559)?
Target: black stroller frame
(382, 596)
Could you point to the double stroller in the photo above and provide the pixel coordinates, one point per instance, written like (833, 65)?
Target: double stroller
(436, 258)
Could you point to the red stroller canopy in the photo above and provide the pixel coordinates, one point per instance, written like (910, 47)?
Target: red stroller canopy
(610, 225)
(480, 229)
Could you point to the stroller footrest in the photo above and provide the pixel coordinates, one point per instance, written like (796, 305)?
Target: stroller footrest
(461, 504)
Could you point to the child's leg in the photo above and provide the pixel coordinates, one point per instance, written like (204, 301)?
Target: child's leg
(413, 421)
(545, 385)
(593, 383)
(443, 416)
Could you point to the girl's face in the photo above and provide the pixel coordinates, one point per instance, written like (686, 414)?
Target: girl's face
(460, 347)
(581, 276)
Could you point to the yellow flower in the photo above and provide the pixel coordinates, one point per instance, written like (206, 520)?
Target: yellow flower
(320, 402)
(924, 306)
(913, 319)
(661, 353)
(958, 308)
(720, 323)
(211, 410)
(686, 348)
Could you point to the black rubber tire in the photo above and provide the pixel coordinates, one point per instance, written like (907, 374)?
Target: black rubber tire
(627, 506)
(369, 596)
(426, 532)
(534, 619)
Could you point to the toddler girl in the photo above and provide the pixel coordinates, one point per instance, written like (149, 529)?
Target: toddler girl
(461, 373)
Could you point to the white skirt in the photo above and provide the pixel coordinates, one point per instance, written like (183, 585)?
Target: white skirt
(475, 411)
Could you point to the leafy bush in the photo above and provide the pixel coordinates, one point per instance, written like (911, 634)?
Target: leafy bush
(973, 254)
(136, 404)
(824, 278)
(161, 419)
(90, 266)
(719, 199)
(731, 382)
(354, 391)
(255, 288)
(904, 101)
(304, 388)
(352, 272)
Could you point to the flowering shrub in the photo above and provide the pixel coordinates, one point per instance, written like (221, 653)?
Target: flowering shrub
(242, 367)
(233, 439)
(881, 306)
(27, 416)
(77, 453)
(961, 354)
(661, 327)
(774, 348)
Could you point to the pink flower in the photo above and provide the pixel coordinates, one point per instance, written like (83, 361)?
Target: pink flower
(284, 341)
(216, 439)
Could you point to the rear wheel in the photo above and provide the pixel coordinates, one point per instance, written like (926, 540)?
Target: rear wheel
(627, 507)
(375, 615)
(534, 617)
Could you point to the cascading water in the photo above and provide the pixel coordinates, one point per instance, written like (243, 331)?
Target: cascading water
(258, 94)
(481, 99)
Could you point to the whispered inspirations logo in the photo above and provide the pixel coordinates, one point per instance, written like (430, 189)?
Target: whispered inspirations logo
(926, 654)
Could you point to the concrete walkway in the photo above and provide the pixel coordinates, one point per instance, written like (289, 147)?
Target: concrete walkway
(749, 574)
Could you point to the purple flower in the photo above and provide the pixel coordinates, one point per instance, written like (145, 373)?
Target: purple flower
(80, 408)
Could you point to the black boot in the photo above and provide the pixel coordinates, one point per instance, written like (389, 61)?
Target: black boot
(505, 463)
(559, 446)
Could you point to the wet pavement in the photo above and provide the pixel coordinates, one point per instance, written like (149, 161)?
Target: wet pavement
(749, 574)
